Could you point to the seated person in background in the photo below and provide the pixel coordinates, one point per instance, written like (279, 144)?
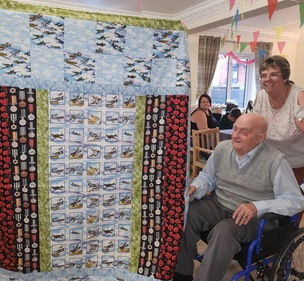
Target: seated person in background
(243, 179)
(217, 113)
(230, 105)
(229, 118)
(202, 118)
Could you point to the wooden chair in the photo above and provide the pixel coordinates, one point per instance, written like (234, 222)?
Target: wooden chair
(204, 142)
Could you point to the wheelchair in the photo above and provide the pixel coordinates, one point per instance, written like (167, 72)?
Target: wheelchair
(258, 255)
(289, 263)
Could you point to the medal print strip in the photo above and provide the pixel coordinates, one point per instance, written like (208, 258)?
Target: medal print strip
(152, 182)
(22, 124)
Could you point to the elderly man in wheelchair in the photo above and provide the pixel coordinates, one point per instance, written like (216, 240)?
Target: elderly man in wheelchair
(244, 179)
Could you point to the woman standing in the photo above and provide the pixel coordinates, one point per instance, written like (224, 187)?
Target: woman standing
(282, 103)
(202, 117)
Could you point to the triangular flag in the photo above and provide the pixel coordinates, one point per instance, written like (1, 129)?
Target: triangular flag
(252, 46)
(232, 22)
(231, 4)
(262, 54)
(281, 46)
(271, 7)
(278, 32)
(238, 38)
(223, 41)
(256, 36)
(139, 6)
(243, 47)
(236, 18)
(301, 7)
(243, 8)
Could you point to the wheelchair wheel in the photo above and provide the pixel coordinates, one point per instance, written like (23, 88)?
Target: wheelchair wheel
(289, 263)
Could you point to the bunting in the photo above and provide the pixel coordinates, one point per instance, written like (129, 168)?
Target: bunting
(271, 7)
(239, 61)
(262, 54)
(243, 7)
(278, 31)
(238, 38)
(281, 46)
(256, 36)
(139, 6)
(252, 46)
(236, 18)
(301, 8)
(231, 2)
(243, 47)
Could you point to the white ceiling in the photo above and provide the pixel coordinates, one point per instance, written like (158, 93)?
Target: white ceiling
(197, 15)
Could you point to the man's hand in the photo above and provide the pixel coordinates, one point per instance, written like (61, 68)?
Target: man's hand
(191, 190)
(244, 213)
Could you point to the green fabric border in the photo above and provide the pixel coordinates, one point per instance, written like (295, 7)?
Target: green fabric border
(81, 15)
(43, 179)
(137, 183)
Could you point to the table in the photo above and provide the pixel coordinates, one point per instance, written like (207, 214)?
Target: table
(225, 134)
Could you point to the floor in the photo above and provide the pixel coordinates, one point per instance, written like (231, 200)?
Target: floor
(234, 266)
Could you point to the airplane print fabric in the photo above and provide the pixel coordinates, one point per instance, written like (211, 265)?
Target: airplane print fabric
(44, 51)
(91, 165)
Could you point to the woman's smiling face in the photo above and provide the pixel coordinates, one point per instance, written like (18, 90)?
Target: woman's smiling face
(204, 104)
(272, 80)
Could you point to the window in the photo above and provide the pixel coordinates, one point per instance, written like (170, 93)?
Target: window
(231, 81)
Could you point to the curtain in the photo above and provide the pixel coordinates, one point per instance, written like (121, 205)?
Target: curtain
(262, 51)
(208, 51)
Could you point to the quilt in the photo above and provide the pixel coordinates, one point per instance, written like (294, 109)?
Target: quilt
(94, 130)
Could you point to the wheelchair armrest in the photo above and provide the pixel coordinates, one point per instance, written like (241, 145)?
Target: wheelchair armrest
(267, 242)
(270, 217)
(283, 220)
(267, 217)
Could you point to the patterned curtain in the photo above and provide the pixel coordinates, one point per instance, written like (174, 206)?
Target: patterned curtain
(208, 51)
(262, 51)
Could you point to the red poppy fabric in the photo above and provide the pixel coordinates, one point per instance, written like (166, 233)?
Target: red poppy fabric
(163, 184)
